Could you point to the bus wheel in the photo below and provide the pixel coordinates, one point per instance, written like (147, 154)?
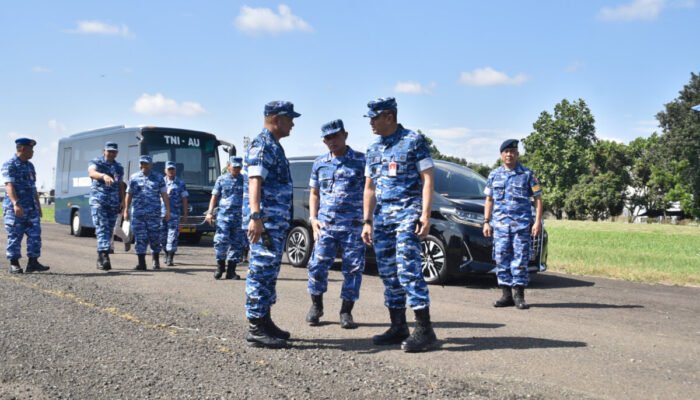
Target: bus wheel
(75, 228)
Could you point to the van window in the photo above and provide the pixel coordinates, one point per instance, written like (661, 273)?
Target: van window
(454, 181)
(301, 172)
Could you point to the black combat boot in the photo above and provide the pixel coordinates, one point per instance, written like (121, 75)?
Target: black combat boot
(274, 329)
(141, 266)
(14, 266)
(156, 260)
(397, 332)
(506, 299)
(346, 321)
(423, 337)
(106, 262)
(519, 298)
(100, 260)
(33, 265)
(231, 271)
(220, 269)
(169, 255)
(259, 336)
(315, 313)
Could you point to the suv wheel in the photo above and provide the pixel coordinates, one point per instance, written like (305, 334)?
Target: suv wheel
(298, 246)
(434, 260)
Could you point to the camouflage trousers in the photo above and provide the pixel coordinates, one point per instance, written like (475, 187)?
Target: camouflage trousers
(104, 218)
(170, 233)
(264, 266)
(352, 253)
(230, 240)
(398, 252)
(511, 252)
(146, 230)
(17, 227)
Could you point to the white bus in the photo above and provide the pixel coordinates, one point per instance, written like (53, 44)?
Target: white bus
(196, 155)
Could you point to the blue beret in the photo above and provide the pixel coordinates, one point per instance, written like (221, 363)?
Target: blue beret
(235, 161)
(332, 127)
(380, 105)
(25, 141)
(146, 159)
(509, 144)
(170, 164)
(281, 108)
(111, 146)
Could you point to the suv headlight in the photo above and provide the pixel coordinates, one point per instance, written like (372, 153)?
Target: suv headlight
(462, 217)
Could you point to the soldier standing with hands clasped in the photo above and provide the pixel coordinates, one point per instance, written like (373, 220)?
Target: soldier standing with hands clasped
(106, 199)
(335, 209)
(508, 191)
(146, 189)
(177, 193)
(397, 202)
(21, 208)
(267, 212)
(229, 240)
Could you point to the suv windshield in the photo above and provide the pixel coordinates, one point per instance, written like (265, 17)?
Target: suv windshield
(193, 153)
(454, 181)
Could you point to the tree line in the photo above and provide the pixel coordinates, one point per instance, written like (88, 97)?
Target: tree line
(584, 177)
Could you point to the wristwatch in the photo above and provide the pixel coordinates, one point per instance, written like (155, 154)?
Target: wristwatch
(367, 222)
(255, 216)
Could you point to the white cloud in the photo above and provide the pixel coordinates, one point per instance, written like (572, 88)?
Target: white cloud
(414, 88)
(638, 10)
(488, 76)
(449, 133)
(40, 70)
(474, 145)
(101, 28)
(57, 126)
(574, 67)
(13, 135)
(158, 104)
(254, 20)
(647, 127)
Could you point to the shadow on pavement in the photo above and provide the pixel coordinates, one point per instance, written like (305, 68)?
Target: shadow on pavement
(505, 342)
(583, 305)
(550, 281)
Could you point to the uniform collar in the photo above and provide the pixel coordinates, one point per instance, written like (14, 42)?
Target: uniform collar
(394, 137)
(517, 170)
(349, 153)
(266, 133)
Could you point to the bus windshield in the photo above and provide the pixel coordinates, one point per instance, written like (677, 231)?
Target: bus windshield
(194, 154)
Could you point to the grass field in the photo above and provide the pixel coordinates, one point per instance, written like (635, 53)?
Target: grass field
(651, 253)
(47, 213)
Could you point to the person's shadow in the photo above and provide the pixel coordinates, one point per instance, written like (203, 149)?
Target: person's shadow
(506, 342)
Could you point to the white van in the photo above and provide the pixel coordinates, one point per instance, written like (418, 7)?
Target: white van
(195, 154)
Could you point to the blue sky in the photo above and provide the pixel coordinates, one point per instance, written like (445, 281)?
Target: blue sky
(468, 74)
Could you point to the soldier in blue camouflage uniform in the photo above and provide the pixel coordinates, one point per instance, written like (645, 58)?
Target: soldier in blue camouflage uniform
(336, 186)
(144, 193)
(177, 193)
(229, 241)
(21, 208)
(106, 199)
(508, 191)
(267, 211)
(397, 202)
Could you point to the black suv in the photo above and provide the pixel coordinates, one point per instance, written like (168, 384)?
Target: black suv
(455, 246)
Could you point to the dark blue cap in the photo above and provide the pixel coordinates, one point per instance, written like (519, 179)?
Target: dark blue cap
(380, 105)
(111, 146)
(146, 159)
(281, 108)
(25, 141)
(235, 161)
(170, 164)
(509, 144)
(332, 127)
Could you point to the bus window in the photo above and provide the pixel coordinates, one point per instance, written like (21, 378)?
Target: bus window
(65, 172)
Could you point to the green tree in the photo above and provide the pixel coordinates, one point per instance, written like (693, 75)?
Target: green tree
(643, 153)
(681, 137)
(596, 196)
(557, 150)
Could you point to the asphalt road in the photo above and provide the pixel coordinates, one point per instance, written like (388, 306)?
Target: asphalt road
(77, 332)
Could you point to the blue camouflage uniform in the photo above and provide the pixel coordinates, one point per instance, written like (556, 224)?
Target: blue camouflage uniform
(105, 200)
(512, 221)
(230, 239)
(265, 158)
(145, 210)
(22, 176)
(340, 182)
(170, 232)
(394, 163)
